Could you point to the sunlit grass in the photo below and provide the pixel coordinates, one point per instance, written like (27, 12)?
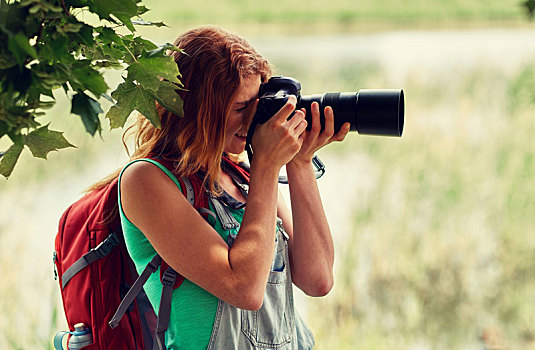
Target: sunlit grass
(440, 252)
(342, 11)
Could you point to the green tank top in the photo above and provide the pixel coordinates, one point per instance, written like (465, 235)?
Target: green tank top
(193, 309)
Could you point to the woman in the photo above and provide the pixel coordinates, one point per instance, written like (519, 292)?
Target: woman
(237, 287)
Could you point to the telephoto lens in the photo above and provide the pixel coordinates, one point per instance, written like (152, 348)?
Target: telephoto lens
(369, 112)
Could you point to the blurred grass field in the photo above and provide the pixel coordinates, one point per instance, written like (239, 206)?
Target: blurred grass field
(336, 14)
(434, 232)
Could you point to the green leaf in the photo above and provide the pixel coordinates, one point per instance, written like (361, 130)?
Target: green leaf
(76, 3)
(41, 141)
(41, 6)
(108, 35)
(162, 50)
(121, 9)
(148, 70)
(90, 79)
(69, 28)
(141, 9)
(53, 48)
(6, 62)
(3, 11)
(3, 128)
(20, 47)
(14, 18)
(169, 98)
(138, 45)
(9, 159)
(85, 35)
(125, 19)
(88, 109)
(130, 97)
(140, 22)
(46, 104)
(105, 8)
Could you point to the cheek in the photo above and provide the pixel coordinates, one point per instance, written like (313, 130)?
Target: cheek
(235, 121)
(231, 123)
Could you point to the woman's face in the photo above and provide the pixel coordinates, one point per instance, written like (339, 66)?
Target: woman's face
(240, 114)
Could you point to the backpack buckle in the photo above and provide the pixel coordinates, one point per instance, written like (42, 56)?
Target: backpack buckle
(169, 277)
(103, 249)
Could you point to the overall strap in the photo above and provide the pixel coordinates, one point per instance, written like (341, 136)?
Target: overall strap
(223, 214)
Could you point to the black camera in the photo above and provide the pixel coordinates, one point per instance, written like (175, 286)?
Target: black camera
(369, 112)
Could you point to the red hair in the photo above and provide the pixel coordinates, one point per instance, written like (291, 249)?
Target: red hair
(213, 64)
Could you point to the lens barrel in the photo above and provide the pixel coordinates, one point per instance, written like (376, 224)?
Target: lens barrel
(369, 112)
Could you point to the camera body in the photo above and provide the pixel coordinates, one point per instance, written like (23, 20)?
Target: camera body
(369, 112)
(273, 95)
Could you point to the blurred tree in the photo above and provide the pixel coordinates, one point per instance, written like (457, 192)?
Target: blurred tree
(530, 7)
(46, 45)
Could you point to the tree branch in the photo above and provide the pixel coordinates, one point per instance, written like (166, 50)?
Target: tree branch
(65, 7)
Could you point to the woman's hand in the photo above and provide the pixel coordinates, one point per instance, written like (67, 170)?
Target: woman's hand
(279, 139)
(314, 139)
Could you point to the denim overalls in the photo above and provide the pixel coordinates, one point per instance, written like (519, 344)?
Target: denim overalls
(276, 325)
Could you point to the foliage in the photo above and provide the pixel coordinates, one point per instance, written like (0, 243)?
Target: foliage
(45, 45)
(529, 5)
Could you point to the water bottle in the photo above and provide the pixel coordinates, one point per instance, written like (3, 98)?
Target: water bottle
(80, 337)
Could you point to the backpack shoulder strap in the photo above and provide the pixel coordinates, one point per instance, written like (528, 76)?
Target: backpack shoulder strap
(192, 188)
(135, 290)
(239, 170)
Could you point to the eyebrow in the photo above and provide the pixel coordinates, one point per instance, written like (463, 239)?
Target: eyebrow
(245, 102)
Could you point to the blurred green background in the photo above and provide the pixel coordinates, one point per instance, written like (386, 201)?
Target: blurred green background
(434, 232)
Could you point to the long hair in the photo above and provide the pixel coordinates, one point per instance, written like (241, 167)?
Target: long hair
(213, 63)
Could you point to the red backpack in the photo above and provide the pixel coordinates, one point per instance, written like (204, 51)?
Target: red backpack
(98, 280)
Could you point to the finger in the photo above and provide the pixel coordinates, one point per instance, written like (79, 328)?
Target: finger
(286, 110)
(329, 123)
(301, 128)
(342, 133)
(297, 118)
(315, 119)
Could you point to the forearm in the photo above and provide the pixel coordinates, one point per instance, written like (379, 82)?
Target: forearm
(312, 252)
(251, 254)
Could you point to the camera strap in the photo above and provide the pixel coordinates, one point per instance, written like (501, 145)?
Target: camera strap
(319, 170)
(319, 167)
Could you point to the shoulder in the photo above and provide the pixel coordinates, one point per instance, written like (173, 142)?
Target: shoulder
(144, 175)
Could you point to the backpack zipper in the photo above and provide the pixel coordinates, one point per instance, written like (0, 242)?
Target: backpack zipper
(55, 260)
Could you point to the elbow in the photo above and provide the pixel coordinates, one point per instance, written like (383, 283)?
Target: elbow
(250, 300)
(318, 287)
(321, 288)
(248, 295)
(252, 305)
